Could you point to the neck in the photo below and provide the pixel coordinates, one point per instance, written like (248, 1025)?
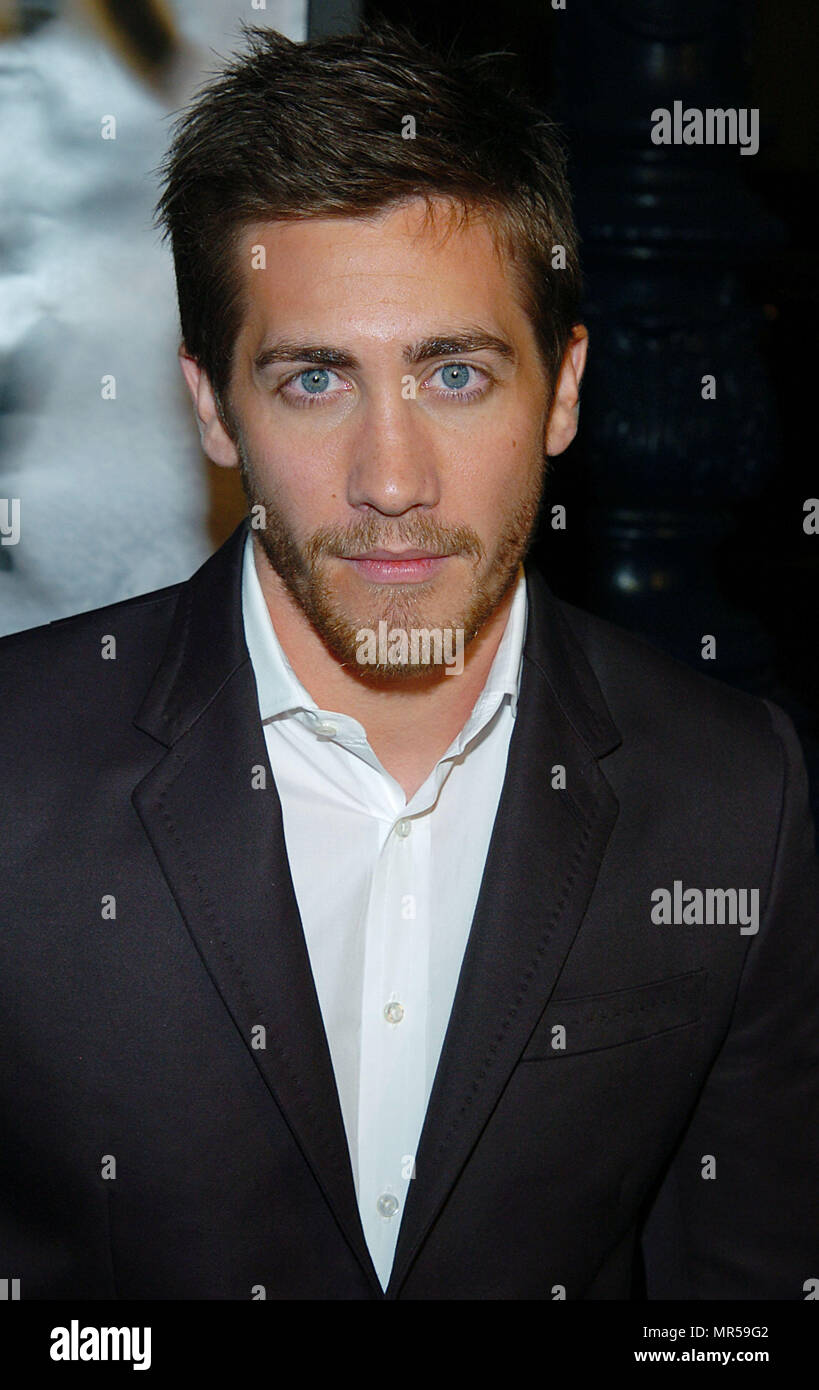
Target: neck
(409, 725)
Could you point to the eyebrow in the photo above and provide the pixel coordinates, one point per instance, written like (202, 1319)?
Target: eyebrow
(444, 345)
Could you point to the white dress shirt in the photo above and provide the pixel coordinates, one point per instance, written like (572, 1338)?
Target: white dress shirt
(386, 890)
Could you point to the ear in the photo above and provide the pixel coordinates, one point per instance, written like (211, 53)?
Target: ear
(216, 441)
(562, 426)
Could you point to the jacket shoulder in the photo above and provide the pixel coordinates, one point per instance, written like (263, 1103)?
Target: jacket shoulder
(668, 709)
(63, 660)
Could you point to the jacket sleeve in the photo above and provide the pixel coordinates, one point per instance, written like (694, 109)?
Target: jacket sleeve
(752, 1231)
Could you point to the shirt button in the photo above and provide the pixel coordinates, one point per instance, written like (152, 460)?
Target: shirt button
(394, 1011)
(403, 828)
(324, 726)
(387, 1205)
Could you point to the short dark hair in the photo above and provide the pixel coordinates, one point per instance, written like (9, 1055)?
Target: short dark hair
(291, 130)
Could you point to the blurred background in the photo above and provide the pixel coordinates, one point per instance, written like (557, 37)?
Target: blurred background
(685, 506)
(97, 436)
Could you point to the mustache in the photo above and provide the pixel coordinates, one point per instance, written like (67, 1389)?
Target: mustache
(419, 533)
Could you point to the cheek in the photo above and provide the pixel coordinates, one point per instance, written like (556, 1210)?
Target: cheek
(301, 480)
(502, 465)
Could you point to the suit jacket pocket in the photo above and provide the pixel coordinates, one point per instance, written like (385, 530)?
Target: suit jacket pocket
(594, 1021)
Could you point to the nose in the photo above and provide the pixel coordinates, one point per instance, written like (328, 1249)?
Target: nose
(393, 462)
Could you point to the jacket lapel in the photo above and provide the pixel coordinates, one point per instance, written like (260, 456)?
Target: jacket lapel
(220, 844)
(541, 867)
(221, 847)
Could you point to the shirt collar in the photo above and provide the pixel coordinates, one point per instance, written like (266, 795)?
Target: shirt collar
(281, 692)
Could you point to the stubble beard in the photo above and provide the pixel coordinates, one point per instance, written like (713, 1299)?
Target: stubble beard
(302, 571)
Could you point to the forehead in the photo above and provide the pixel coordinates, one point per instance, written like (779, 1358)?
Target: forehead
(387, 275)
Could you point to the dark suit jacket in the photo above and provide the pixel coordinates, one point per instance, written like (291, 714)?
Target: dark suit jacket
(539, 1169)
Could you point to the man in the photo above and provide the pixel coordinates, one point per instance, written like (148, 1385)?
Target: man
(375, 924)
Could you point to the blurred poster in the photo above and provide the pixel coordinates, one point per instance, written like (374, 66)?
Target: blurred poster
(100, 467)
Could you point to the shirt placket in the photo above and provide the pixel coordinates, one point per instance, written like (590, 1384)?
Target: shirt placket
(392, 1095)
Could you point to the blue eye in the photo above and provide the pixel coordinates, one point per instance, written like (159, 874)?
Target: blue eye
(313, 386)
(316, 380)
(455, 375)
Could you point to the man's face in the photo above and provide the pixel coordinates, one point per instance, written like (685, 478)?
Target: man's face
(388, 397)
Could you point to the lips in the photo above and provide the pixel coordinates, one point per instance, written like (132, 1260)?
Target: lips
(397, 555)
(397, 566)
